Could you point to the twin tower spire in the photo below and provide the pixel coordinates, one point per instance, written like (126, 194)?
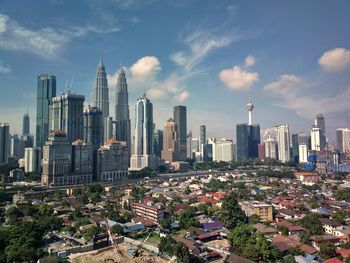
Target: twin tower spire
(101, 101)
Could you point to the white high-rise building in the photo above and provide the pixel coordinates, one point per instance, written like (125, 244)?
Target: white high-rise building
(143, 155)
(223, 150)
(315, 138)
(270, 144)
(32, 160)
(302, 153)
(283, 142)
(343, 140)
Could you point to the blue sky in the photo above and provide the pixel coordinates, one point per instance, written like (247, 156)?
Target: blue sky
(205, 54)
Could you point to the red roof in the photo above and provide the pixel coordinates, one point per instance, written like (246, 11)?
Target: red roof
(333, 260)
(208, 235)
(345, 253)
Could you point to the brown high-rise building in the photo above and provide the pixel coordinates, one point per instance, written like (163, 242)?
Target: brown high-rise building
(170, 152)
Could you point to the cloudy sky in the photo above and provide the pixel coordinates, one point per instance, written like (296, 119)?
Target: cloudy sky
(206, 54)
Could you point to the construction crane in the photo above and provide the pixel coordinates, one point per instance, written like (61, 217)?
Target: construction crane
(110, 234)
(135, 252)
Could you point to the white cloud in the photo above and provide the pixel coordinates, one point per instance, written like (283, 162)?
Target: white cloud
(145, 68)
(199, 44)
(249, 61)
(183, 96)
(335, 59)
(238, 79)
(286, 85)
(45, 41)
(4, 68)
(292, 89)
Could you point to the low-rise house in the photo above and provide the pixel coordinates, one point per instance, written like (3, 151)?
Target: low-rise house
(149, 211)
(317, 240)
(266, 230)
(330, 225)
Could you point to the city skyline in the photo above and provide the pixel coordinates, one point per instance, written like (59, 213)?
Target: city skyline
(206, 62)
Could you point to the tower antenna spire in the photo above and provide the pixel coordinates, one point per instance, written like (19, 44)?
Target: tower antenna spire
(250, 107)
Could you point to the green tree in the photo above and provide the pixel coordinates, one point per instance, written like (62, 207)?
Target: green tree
(312, 224)
(118, 230)
(289, 259)
(231, 214)
(166, 223)
(327, 250)
(182, 253)
(241, 236)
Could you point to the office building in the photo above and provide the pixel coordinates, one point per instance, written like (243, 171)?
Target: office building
(122, 115)
(66, 163)
(158, 143)
(32, 160)
(170, 152)
(100, 91)
(283, 142)
(321, 123)
(93, 126)
(143, 147)
(270, 144)
(57, 159)
(112, 161)
(242, 138)
(66, 114)
(26, 125)
(4, 143)
(223, 150)
(180, 117)
(295, 147)
(107, 128)
(343, 140)
(261, 150)
(46, 90)
(82, 162)
(303, 153)
(315, 138)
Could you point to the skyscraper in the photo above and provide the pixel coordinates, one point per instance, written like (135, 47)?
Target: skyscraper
(46, 89)
(93, 126)
(4, 143)
(143, 153)
(343, 140)
(270, 144)
(100, 91)
(180, 118)
(26, 125)
(248, 136)
(295, 147)
(66, 114)
(242, 137)
(158, 142)
(122, 115)
(202, 142)
(320, 122)
(170, 152)
(316, 134)
(283, 142)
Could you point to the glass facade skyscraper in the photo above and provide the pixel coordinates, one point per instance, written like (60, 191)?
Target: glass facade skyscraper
(46, 89)
(180, 117)
(101, 89)
(122, 115)
(26, 125)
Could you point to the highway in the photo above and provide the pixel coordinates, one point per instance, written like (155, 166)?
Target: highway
(162, 177)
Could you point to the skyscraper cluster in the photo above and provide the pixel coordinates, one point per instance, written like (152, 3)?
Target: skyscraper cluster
(79, 143)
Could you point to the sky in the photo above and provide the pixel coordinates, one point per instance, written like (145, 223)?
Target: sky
(293, 55)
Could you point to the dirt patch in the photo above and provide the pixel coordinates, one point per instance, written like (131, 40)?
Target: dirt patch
(108, 256)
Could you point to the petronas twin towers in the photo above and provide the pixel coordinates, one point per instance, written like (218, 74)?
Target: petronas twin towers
(101, 101)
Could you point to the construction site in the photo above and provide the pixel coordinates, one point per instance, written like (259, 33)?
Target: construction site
(123, 253)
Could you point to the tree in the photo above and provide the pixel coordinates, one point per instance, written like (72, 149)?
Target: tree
(327, 250)
(289, 259)
(167, 245)
(342, 195)
(254, 219)
(118, 230)
(284, 230)
(182, 253)
(312, 224)
(241, 236)
(231, 214)
(187, 218)
(166, 223)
